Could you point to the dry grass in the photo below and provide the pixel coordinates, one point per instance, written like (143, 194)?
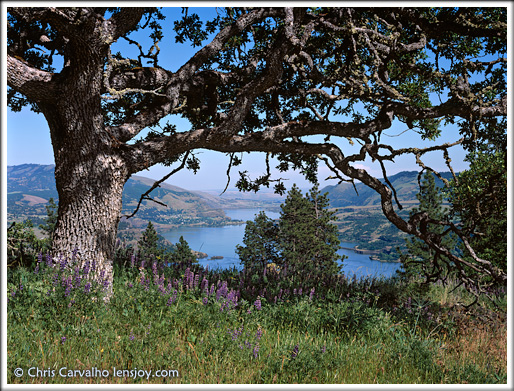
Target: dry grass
(481, 339)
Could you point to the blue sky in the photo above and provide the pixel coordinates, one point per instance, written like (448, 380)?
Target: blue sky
(28, 139)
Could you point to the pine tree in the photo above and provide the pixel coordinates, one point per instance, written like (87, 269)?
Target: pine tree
(420, 259)
(50, 220)
(183, 253)
(261, 244)
(302, 245)
(148, 243)
(308, 240)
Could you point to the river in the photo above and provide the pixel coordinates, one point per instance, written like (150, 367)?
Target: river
(222, 241)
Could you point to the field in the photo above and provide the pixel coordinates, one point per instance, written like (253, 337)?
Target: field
(184, 324)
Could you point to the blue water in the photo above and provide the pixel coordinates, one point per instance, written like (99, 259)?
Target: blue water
(222, 241)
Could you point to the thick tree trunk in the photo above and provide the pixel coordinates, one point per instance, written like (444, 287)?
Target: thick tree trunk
(90, 174)
(90, 193)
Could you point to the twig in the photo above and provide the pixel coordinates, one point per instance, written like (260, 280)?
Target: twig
(157, 184)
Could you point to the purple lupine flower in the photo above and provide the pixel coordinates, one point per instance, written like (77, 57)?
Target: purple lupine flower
(211, 291)
(87, 287)
(102, 274)
(63, 340)
(63, 263)
(235, 298)
(256, 350)
(295, 351)
(106, 284)
(77, 277)
(232, 298)
(205, 300)
(48, 260)
(224, 306)
(39, 260)
(294, 291)
(132, 337)
(204, 285)
(87, 268)
(196, 281)
(258, 304)
(300, 292)
(132, 260)
(222, 291)
(160, 281)
(311, 295)
(154, 272)
(323, 349)
(172, 298)
(258, 334)
(186, 277)
(13, 293)
(130, 285)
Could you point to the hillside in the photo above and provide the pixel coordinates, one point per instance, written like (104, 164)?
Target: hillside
(360, 219)
(30, 186)
(405, 183)
(359, 216)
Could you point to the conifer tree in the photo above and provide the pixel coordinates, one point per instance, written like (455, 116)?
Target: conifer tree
(50, 220)
(147, 244)
(420, 258)
(183, 253)
(303, 243)
(308, 240)
(261, 240)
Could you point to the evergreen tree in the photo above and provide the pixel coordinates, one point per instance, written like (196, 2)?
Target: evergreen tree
(50, 220)
(308, 240)
(148, 243)
(183, 253)
(303, 244)
(420, 258)
(261, 244)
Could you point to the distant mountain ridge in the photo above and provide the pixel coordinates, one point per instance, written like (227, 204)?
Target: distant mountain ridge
(405, 184)
(30, 186)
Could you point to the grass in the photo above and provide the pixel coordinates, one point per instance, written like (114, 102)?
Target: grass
(168, 319)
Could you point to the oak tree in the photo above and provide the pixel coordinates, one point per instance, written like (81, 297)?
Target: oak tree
(262, 79)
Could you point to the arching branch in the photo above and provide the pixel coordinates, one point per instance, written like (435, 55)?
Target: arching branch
(36, 84)
(157, 184)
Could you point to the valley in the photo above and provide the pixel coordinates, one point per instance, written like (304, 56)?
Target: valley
(358, 211)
